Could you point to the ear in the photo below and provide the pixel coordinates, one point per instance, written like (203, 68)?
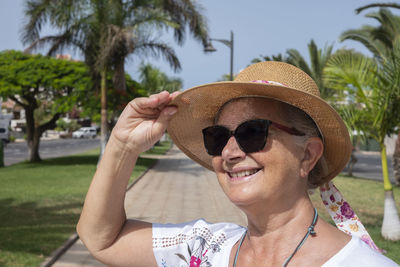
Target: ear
(312, 153)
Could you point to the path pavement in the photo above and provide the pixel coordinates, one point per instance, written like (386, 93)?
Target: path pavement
(175, 190)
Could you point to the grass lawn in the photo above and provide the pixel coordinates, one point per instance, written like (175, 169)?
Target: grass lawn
(366, 197)
(40, 204)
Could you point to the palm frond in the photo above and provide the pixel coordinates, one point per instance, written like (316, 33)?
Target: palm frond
(157, 49)
(363, 36)
(390, 5)
(295, 58)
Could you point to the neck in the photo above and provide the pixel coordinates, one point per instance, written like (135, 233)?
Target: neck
(277, 228)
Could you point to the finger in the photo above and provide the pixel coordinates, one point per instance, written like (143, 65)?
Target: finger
(154, 101)
(165, 116)
(163, 99)
(173, 95)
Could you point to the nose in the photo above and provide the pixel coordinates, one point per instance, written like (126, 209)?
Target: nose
(232, 151)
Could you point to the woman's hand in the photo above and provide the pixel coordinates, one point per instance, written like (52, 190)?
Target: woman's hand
(143, 121)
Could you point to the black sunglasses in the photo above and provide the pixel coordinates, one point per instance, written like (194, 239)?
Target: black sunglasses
(250, 135)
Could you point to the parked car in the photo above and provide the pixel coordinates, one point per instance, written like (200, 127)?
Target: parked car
(4, 133)
(85, 132)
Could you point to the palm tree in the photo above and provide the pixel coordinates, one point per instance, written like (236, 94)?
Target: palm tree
(107, 32)
(379, 40)
(155, 81)
(353, 117)
(373, 88)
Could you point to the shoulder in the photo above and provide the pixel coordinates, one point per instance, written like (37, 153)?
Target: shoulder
(199, 240)
(358, 253)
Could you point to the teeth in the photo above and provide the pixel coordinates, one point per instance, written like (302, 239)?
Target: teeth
(242, 173)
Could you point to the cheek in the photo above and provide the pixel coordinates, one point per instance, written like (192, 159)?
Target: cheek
(278, 160)
(217, 164)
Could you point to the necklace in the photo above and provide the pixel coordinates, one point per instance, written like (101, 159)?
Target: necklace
(310, 231)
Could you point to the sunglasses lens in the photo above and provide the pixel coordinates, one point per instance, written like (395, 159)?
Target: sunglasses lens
(215, 139)
(252, 135)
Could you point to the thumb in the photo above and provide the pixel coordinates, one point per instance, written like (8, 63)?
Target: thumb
(165, 116)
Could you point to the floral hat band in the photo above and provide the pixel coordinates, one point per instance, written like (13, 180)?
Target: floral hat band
(269, 82)
(343, 215)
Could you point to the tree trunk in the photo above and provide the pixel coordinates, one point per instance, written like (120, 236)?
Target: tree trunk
(391, 222)
(352, 162)
(387, 185)
(33, 155)
(119, 75)
(396, 161)
(103, 126)
(34, 148)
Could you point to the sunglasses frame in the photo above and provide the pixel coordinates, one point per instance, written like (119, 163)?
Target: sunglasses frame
(266, 123)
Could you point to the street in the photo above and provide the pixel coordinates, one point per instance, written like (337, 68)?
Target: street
(369, 166)
(17, 152)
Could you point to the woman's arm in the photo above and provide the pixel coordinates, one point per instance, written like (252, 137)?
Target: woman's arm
(103, 226)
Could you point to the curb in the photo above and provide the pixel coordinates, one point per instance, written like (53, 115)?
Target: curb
(60, 251)
(55, 255)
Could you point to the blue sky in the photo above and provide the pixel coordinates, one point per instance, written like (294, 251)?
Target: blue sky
(261, 27)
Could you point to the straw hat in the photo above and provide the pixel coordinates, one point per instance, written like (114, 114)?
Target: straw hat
(198, 106)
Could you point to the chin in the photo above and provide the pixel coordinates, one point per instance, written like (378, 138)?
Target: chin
(242, 196)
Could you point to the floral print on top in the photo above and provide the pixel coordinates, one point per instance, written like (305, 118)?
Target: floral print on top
(343, 215)
(194, 244)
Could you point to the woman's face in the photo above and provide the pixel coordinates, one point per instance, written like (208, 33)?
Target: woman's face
(267, 175)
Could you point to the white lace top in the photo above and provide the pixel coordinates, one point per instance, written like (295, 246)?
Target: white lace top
(199, 243)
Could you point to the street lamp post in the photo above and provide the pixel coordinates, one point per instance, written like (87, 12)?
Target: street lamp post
(229, 43)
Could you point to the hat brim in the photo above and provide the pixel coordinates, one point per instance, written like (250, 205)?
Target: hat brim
(198, 106)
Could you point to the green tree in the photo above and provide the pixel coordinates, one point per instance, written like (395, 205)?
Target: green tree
(381, 41)
(90, 104)
(317, 57)
(353, 117)
(45, 87)
(108, 31)
(155, 81)
(68, 126)
(373, 88)
(383, 37)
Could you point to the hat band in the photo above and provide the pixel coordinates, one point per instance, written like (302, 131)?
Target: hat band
(343, 215)
(269, 82)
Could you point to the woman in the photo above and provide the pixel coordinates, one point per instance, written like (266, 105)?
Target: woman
(269, 137)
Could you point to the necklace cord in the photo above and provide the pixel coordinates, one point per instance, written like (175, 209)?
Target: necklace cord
(237, 251)
(310, 231)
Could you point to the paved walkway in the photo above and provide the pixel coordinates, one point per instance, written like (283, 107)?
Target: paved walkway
(175, 190)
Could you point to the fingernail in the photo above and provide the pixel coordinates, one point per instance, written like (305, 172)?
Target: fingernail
(171, 111)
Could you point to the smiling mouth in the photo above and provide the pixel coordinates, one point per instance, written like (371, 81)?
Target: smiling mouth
(242, 174)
